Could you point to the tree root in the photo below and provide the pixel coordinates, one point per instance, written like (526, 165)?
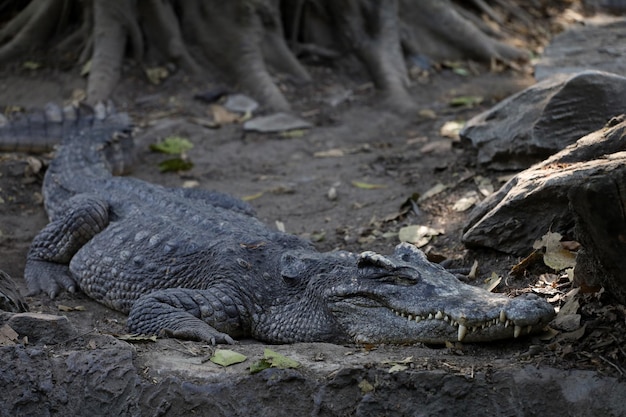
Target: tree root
(30, 28)
(243, 40)
(108, 50)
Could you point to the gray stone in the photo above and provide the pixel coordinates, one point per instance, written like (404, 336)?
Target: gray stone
(240, 103)
(600, 45)
(543, 119)
(277, 122)
(42, 328)
(536, 200)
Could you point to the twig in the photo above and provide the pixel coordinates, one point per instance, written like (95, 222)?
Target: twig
(614, 365)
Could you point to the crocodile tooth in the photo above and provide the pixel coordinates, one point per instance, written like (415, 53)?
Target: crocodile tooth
(439, 315)
(402, 314)
(462, 332)
(502, 316)
(446, 318)
(418, 319)
(529, 329)
(410, 317)
(517, 331)
(506, 323)
(430, 316)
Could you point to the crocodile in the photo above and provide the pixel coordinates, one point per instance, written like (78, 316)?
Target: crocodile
(197, 264)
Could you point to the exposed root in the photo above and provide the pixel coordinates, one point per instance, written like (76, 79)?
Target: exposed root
(109, 44)
(30, 28)
(437, 30)
(274, 47)
(230, 34)
(243, 40)
(164, 35)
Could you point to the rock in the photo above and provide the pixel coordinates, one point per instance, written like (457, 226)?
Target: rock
(597, 45)
(598, 205)
(536, 200)
(543, 119)
(114, 380)
(240, 103)
(41, 328)
(277, 122)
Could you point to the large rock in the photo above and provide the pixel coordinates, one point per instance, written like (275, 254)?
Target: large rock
(536, 200)
(113, 378)
(598, 45)
(599, 208)
(543, 119)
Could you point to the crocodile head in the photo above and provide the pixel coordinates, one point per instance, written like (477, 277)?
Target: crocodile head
(401, 298)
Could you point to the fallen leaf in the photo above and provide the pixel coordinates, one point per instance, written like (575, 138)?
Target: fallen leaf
(436, 189)
(367, 186)
(138, 338)
(279, 361)
(485, 187)
(419, 235)
(156, 75)
(397, 368)
(468, 101)
(85, 69)
(466, 201)
(451, 129)
(427, 113)
(221, 116)
(259, 366)
(365, 386)
(253, 196)
(175, 164)
(280, 226)
(8, 336)
(331, 153)
(227, 357)
(492, 282)
(172, 145)
(555, 256)
(31, 65)
(290, 134)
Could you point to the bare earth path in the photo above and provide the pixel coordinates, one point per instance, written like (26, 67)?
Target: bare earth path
(288, 179)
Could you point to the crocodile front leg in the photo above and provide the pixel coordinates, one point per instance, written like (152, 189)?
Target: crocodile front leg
(201, 315)
(47, 263)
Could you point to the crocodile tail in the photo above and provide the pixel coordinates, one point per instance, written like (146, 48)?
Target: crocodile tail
(40, 130)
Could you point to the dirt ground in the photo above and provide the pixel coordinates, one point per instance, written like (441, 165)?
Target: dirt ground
(287, 179)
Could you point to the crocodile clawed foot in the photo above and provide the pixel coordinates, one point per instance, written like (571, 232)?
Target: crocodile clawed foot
(48, 277)
(208, 335)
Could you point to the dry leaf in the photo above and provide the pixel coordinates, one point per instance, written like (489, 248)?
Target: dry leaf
(252, 196)
(8, 336)
(331, 153)
(222, 116)
(137, 338)
(492, 282)
(367, 186)
(468, 200)
(227, 357)
(451, 129)
(418, 235)
(436, 189)
(484, 185)
(555, 256)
